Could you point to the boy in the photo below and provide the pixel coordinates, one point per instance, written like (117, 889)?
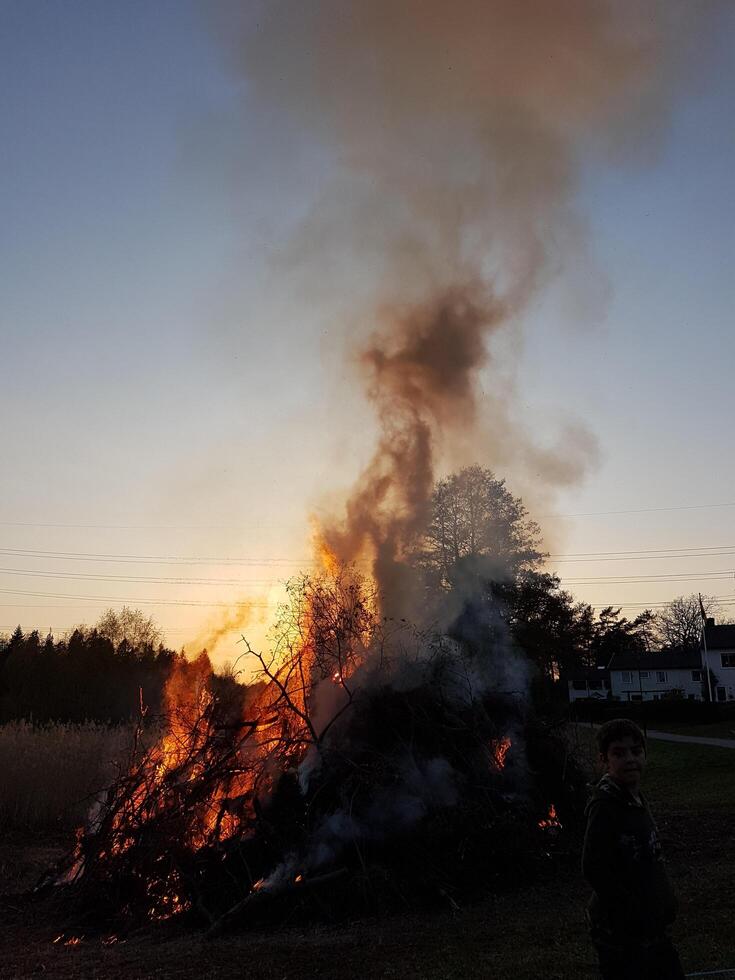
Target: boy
(633, 902)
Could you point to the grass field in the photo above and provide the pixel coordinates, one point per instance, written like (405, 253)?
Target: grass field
(715, 729)
(527, 934)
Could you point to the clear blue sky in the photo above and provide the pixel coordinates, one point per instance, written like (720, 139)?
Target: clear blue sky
(161, 397)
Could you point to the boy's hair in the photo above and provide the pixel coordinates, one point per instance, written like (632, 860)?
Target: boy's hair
(613, 731)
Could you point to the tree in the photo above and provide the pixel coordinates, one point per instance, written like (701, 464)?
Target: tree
(545, 622)
(679, 623)
(131, 626)
(16, 641)
(614, 633)
(473, 514)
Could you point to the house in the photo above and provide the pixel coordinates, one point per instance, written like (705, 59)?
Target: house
(590, 683)
(720, 657)
(652, 676)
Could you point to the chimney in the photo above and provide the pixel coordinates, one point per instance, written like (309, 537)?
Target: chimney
(710, 621)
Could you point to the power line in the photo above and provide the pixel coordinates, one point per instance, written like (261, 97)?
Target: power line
(641, 510)
(724, 599)
(704, 551)
(87, 576)
(652, 557)
(156, 559)
(714, 574)
(261, 524)
(137, 601)
(150, 527)
(640, 551)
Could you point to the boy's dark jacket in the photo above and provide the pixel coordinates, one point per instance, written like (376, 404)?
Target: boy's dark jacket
(633, 899)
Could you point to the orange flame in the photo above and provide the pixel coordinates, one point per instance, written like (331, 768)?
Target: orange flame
(326, 633)
(323, 552)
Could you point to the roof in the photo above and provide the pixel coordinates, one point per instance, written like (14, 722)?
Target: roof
(720, 637)
(665, 660)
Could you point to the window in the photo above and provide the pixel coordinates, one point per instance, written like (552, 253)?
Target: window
(727, 659)
(644, 675)
(661, 676)
(696, 675)
(595, 685)
(721, 694)
(579, 685)
(626, 677)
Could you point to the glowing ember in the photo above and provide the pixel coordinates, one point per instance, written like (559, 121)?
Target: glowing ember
(499, 748)
(552, 821)
(166, 900)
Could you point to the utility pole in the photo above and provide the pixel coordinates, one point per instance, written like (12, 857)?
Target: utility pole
(704, 648)
(640, 689)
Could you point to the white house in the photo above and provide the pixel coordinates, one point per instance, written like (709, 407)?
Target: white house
(589, 683)
(650, 677)
(720, 656)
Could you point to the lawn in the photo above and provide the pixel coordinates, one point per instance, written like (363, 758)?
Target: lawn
(715, 729)
(526, 934)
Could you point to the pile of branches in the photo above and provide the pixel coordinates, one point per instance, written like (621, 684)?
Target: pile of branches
(351, 785)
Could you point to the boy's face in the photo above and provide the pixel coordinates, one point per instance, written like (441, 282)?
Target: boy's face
(625, 762)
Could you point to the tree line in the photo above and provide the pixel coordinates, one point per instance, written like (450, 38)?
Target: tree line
(101, 673)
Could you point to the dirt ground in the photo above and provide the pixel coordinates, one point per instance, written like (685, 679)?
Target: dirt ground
(535, 933)
(527, 934)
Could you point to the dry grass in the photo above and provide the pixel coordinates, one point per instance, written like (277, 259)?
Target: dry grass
(50, 773)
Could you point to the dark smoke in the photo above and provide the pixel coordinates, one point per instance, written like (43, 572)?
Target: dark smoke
(421, 372)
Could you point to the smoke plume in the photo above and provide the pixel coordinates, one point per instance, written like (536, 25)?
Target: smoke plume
(452, 136)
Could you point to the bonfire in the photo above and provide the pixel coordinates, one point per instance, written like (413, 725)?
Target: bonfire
(370, 765)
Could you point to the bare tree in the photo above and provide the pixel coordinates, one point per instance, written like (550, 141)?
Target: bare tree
(131, 625)
(322, 634)
(679, 623)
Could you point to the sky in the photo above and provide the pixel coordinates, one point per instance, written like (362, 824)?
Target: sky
(176, 391)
